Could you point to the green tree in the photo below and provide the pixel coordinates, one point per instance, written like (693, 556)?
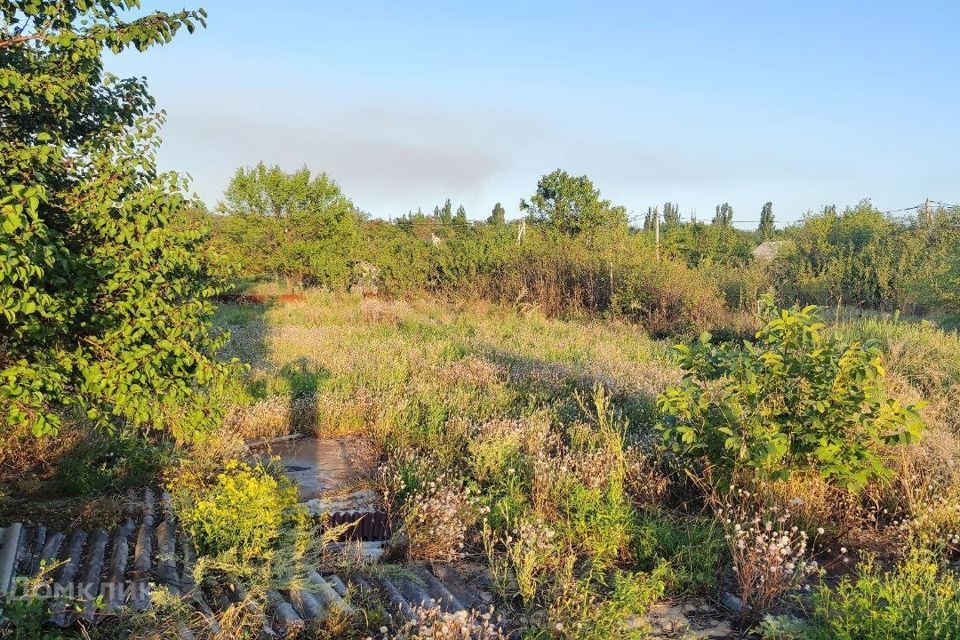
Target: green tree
(498, 216)
(650, 217)
(444, 214)
(767, 225)
(572, 205)
(105, 284)
(723, 216)
(295, 225)
(671, 214)
(461, 216)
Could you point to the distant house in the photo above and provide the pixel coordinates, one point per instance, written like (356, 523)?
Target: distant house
(768, 250)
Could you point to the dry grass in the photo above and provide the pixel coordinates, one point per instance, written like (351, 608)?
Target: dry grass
(355, 359)
(498, 400)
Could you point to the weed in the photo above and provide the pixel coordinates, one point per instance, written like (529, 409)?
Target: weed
(433, 510)
(918, 599)
(246, 523)
(434, 624)
(693, 546)
(100, 464)
(767, 553)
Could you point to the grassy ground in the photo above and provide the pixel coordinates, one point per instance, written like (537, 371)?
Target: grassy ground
(372, 359)
(529, 442)
(528, 445)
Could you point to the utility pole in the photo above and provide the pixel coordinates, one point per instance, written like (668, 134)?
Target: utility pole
(926, 211)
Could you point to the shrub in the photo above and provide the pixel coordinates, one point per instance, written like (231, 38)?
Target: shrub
(919, 599)
(741, 286)
(667, 298)
(106, 286)
(863, 257)
(245, 521)
(793, 400)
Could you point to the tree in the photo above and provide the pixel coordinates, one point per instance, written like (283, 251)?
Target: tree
(649, 218)
(766, 227)
(671, 214)
(461, 217)
(498, 216)
(572, 205)
(105, 284)
(444, 214)
(295, 225)
(723, 216)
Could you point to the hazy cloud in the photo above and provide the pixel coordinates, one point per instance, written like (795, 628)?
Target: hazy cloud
(374, 150)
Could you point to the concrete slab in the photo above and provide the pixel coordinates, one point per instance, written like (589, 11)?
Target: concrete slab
(320, 466)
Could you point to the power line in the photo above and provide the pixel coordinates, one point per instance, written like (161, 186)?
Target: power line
(919, 206)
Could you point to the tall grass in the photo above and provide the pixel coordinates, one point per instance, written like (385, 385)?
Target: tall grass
(530, 441)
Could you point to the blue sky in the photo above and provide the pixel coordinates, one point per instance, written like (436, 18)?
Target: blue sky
(406, 104)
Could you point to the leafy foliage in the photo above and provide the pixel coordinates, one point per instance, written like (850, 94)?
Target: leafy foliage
(667, 298)
(704, 245)
(105, 284)
(572, 205)
(794, 399)
(295, 225)
(861, 257)
(241, 519)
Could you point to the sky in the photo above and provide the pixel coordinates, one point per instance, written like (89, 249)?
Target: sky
(405, 104)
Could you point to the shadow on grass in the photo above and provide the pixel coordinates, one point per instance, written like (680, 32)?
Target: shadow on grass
(560, 384)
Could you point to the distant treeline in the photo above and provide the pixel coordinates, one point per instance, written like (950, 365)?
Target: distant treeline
(574, 252)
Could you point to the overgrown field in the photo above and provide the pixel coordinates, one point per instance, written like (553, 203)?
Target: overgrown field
(534, 445)
(600, 417)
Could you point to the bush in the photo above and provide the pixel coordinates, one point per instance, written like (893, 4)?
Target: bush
(244, 522)
(919, 600)
(667, 298)
(862, 257)
(106, 285)
(793, 400)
